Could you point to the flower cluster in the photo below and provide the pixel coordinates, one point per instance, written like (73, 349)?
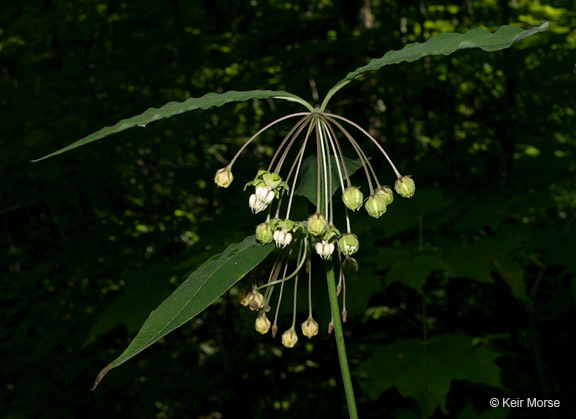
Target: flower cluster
(298, 240)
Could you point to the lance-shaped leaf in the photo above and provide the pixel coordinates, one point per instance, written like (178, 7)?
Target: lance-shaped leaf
(443, 44)
(202, 287)
(174, 108)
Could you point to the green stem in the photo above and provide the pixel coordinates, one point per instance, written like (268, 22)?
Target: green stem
(339, 335)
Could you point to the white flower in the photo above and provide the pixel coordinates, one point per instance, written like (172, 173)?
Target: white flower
(324, 249)
(282, 238)
(260, 200)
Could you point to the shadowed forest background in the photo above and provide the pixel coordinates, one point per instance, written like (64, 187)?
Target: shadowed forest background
(480, 263)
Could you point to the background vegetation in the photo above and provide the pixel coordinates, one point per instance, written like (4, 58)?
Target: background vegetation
(93, 240)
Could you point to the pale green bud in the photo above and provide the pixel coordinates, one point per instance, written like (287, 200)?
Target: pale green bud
(405, 187)
(317, 224)
(255, 300)
(289, 338)
(353, 198)
(262, 323)
(223, 177)
(375, 206)
(349, 244)
(310, 328)
(386, 193)
(244, 297)
(264, 233)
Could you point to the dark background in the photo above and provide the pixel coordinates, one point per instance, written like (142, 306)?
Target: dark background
(94, 239)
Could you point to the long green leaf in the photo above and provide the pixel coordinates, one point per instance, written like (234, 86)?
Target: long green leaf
(202, 287)
(174, 108)
(443, 44)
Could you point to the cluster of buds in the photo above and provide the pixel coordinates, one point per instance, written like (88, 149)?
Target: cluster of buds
(297, 240)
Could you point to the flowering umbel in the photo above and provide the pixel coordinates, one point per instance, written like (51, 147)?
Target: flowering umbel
(301, 242)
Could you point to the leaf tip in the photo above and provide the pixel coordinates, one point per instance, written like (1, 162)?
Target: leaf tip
(101, 375)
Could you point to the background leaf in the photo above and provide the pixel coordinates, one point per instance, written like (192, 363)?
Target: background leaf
(201, 288)
(174, 108)
(424, 370)
(308, 185)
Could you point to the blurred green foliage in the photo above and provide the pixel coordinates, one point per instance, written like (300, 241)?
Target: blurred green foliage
(95, 239)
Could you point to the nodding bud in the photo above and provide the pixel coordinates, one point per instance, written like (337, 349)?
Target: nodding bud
(282, 238)
(264, 233)
(386, 193)
(349, 244)
(375, 206)
(255, 300)
(289, 338)
(310, 328)
(244, 297)
(350, 265)
(405, 186)
(262, 323)
(260, 200)
(317, 224)
(324, 249)
(223, 177)
(353, 198)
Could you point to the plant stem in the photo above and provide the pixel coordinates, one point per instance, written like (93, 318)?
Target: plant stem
(339, 335)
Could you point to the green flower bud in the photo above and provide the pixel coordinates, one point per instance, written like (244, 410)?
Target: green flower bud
(386, 193)
(349, 244)
(289, 338)
(223, 177)
(264, 233)
(353, 198)
(262, 323)
(310, 328)
(350, 265)
(405, 187)
(317, 224)
(375, 206)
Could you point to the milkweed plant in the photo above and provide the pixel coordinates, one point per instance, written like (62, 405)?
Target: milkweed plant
(318, 239)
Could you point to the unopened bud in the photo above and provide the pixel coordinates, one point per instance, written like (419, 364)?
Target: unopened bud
(255, 300)
(289, 338)
(317, 224)
(324, 249)
(223, 177)
(375, 206)
(244, 297)
(349, 244)
(353, 198)
(262, 323)
(405, 186)
(386, 193)
(310, 327)
(264, 233)
(350, 265)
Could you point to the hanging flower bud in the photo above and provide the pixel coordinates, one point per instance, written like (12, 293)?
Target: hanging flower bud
(264, 233)
(223, 177)
(324, 249)
(348, 244)
(244, 297)
(262, 323)
(353, 198)
(350, 265)
(386, 193)
(282, 238)
(310, 328)
(289, 338)
(255, 300)
(375, 206)
(317, 224)
(405, 187)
